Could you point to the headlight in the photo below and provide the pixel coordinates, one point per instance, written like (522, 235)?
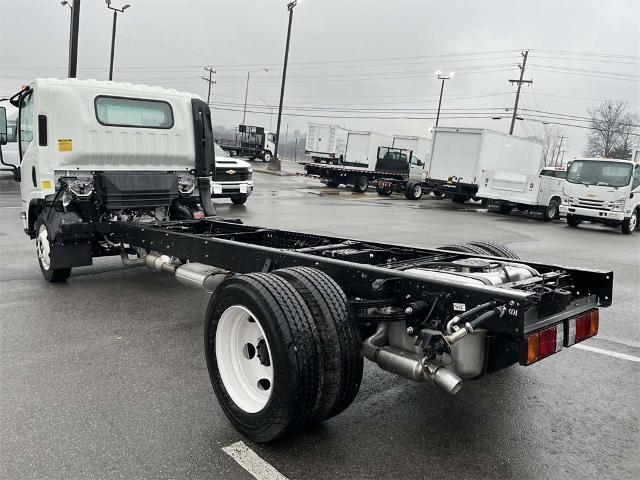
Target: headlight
(186, 183)
(617, 205)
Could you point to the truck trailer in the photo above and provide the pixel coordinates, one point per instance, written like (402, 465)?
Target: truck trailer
(118, 169)
(459, 156)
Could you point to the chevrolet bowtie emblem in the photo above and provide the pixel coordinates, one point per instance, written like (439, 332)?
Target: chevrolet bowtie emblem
(591, 195)
(231, 172)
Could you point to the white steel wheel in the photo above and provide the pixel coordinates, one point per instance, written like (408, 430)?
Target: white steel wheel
(244, 359)
(43, 248)
(417, 191)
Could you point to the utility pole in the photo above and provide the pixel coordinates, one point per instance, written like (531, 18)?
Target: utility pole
(525, 54)
(210, 81)
(562, 159)
(555, 162)
(274, 164)
(246, 94)
(441, 76)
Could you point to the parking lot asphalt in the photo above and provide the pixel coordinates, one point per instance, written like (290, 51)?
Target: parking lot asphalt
(105, 377)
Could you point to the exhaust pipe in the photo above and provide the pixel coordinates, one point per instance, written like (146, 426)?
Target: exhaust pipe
(407, 364)
(194, 274)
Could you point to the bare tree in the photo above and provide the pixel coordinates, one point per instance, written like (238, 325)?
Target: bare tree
(612, 128)
(549, 137)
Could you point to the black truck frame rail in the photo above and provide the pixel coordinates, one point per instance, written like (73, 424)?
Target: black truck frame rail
(369, 273)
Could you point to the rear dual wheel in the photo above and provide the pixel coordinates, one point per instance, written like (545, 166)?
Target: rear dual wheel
(281, 351)
(493, 249)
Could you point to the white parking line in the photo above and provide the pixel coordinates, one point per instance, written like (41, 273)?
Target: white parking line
(252, 463)
(622, 356)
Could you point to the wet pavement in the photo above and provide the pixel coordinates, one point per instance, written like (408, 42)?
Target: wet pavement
(105, 377)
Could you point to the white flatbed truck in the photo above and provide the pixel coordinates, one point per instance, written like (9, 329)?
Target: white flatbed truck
(109, 169)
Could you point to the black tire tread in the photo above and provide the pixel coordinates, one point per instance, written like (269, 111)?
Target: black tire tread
(57, 275)
(497, 249)
(341, 344)
(301, 340)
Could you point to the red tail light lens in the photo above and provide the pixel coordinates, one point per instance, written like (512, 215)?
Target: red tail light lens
(582, 327)
(547, 342)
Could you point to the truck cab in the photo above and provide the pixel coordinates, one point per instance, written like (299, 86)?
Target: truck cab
(602, 190)
(233, 178)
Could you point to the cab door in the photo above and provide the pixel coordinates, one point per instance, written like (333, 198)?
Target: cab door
(416, 168)
(27, 149)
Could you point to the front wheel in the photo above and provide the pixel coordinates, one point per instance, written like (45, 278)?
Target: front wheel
(361, 184)
(552, 210)
(413, 191)
(240, 200)
(437, 193)
(384, 191)
(46, 257)
(573, 221)
(505, 209)
(332, 183)
(459, 198)
(266, 157)
(631, 223)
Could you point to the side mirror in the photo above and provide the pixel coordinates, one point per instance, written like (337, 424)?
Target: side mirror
(3, 126)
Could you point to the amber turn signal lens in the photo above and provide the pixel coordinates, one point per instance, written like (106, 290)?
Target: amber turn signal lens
(595, 323)
(532, 348)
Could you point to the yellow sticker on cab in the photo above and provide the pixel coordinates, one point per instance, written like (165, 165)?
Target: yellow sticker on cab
(65, 145)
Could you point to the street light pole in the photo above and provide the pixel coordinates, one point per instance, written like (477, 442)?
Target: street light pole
(443, 78)
(274, 163)
(113, 32)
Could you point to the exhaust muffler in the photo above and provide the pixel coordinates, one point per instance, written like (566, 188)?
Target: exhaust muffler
(407, 364)
(194, 274)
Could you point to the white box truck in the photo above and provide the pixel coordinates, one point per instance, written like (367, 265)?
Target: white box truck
(326, 143)
(358, 168)
(420, 146)
(602, 190)
(460, 155)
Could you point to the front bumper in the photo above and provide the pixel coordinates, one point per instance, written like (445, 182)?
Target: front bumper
(231, 189)
(593, 213)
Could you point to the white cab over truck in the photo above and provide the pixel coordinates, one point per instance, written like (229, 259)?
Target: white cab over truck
(459, 156)
(602, 190)
(118, 169)
(326, 143)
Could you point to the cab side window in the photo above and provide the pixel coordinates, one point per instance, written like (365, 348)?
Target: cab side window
(636, 179)
(26, 123)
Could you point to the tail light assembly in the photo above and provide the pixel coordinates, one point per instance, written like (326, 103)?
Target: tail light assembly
(549, 340)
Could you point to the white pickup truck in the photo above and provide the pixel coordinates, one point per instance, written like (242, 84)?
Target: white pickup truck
(233, 178)
(602, 190)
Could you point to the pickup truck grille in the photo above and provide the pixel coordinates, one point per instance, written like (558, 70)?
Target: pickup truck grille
(232, 175)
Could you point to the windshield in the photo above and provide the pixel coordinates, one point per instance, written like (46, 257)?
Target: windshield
(219, 151)
(604, 173)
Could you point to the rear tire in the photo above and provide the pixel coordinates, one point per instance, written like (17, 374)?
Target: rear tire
(340, 341)
(383, 192)
(361, 184)
(496, 249)
(505, 209)
(266, 310)
(573, 221)
(46, 260)
(465, 248)
(332, 183)
(631, 223)
(552, 210)
(437, 193)
(413, 191)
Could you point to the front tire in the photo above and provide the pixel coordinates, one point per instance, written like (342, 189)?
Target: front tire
(361, 184)
(413, 191)
(631, 223)
(46, 258)
(266, 156)
(573, 221)
(505, 209)
(552, 210)
(263, 356)
(240, 200)
(459, 199)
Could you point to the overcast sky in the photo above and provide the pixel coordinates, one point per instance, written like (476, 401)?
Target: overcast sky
(349, 58)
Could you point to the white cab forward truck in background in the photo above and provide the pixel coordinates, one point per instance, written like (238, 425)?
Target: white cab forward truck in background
(602, 190)
(418, 145)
